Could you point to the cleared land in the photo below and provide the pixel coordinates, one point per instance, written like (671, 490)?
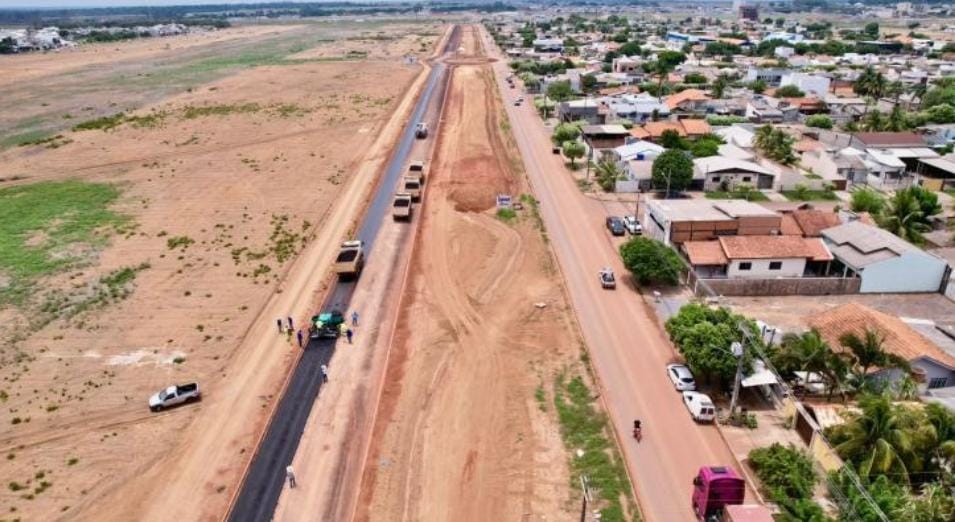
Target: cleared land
(467, 428)
(158, 245)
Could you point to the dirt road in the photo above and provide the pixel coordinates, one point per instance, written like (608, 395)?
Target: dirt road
(459, 434)
(628, 349)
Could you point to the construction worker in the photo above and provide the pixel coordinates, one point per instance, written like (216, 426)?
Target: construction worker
(290, 475)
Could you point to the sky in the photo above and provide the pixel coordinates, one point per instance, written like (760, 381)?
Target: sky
(114, 3)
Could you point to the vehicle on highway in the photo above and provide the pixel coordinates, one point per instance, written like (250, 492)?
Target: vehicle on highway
(681, 377)
(615, 226)
(174, 396)
(416, 170)
(632, 225)
(714, 488)
(401, 207)
(326, 324)
(700, 406)
(607, 280)
(350, 259)
(421, 130)
(411, 185)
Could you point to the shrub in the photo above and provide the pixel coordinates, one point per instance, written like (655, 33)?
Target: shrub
(651, 262)
(785, 471)
(819, 121)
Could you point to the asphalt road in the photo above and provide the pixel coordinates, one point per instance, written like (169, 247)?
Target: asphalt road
(628, 350)
(265, 477)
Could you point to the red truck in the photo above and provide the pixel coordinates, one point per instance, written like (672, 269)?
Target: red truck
(715, 487)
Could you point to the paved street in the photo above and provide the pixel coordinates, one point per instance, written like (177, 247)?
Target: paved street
(627, 348)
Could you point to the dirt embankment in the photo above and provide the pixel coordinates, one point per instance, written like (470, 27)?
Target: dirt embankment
(226, 185)
(465, 430)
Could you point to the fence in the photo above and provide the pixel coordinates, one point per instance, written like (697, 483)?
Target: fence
(710, 287)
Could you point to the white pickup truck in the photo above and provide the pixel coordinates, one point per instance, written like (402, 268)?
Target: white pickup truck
(401, 208)
(175, 395)
(351, 258)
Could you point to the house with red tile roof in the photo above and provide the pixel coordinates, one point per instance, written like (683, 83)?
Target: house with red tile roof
(930, 364)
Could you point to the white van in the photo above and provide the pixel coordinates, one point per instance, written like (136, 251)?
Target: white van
(700, 406)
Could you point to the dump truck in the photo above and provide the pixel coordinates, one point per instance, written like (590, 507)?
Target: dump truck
(174, 395)
(421, 130)
(351, 258)
(401, 208)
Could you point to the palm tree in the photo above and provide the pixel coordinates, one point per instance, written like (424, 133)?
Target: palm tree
(904, 217)
(809, 352)
(607, 174)
(868, 352)
(876, 440)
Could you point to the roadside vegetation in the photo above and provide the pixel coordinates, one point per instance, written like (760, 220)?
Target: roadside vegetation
(703, 336)
(587, 430)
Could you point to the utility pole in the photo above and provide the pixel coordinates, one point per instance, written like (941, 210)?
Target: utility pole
(738, 350)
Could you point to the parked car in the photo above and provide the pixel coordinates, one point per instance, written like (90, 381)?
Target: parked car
(632, 225)
(681, 377)
(700, 406)
(615, 226)
(174, 395)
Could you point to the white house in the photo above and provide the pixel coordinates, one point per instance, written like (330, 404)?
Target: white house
(813, 84)
(884, 262)
(721, 173)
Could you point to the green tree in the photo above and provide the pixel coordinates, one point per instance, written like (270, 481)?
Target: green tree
(935, 504)
(874, 121)
(871, 30)
(809, 352)
(775, 144)
(672, 170)
(758, 86)
(703, 148)
(868, 352)
(867, 200)
(819, 121)
(718, 89)
(8, 45)
(588, 82)
(671, 139)
(785, 471)
(651, 262)
(870, 83)
(703, 336)
(559, 91)
(630, 48)
(875, 440)
(574, 150)
(897, 120)
(789, 91)
(565, 132)
(607, 174)
(903, 217)
(938, 96)
(694, 78)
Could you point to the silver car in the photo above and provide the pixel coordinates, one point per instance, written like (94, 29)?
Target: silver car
(681, 377)
(632, 225)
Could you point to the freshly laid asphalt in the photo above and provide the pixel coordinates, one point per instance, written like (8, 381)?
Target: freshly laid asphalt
(266, 475)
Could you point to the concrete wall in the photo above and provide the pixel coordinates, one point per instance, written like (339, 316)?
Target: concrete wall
(910, 272)
(786, 286)
(792, 267)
